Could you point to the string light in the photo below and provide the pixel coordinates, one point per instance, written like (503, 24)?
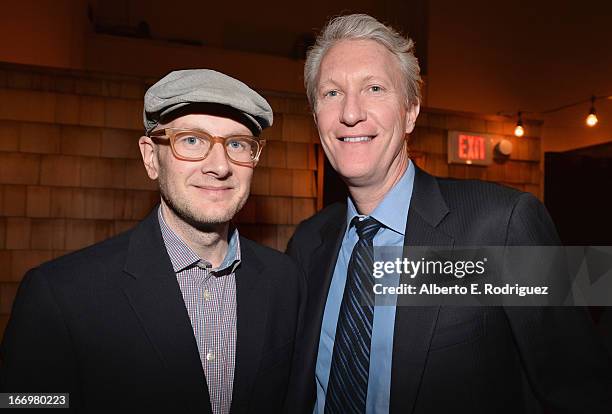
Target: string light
(591, 119)
(519, 131)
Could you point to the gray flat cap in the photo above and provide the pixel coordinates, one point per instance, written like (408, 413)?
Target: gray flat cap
(184, 87)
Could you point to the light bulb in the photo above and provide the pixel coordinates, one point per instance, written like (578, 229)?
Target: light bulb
(592, 120)
(519, 131)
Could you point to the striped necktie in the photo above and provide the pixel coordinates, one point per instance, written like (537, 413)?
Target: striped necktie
(348, 378)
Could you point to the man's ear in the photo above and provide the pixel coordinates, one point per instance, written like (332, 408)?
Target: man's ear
(148, 150)
(412, 112)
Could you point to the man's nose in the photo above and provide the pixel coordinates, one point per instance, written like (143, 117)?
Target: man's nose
(216, 162)
(353, 110)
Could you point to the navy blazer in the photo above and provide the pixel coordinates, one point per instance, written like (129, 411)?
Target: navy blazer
(465, 359)
(108, 324)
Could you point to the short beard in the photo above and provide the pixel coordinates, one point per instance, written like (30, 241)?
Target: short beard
(181, 209)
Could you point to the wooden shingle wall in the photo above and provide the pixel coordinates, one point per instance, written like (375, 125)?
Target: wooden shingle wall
(284, 188)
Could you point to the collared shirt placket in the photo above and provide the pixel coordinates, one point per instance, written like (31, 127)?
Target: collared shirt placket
(210, 299)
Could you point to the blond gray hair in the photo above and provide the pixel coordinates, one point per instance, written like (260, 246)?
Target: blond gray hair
(364, 27)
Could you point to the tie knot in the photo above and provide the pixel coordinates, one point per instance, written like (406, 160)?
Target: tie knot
(366, 228)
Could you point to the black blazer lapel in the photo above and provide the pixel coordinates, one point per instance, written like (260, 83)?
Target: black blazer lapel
(252, 307)
(155, 296)
(414, 326)
(321, 270)
(321, 267)
(321, 263)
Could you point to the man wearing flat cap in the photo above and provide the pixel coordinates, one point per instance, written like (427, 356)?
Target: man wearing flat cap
(181, 313)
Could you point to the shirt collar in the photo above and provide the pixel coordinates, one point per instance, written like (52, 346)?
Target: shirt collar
(183, 257)
(392, 212)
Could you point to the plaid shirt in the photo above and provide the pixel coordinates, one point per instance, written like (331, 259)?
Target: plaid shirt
(210, 298)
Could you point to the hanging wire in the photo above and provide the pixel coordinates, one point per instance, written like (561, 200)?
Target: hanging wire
(591, 99)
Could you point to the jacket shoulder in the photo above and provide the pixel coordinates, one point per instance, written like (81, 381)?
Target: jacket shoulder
(487, 191)
(277, 267)
(481, 197)
(495, 214)
(330, 215)
(109, 253)
(265, 254)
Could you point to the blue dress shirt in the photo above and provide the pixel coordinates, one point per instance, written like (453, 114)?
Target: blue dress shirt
(392, 212)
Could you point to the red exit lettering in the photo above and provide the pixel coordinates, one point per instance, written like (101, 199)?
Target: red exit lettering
(471, 147)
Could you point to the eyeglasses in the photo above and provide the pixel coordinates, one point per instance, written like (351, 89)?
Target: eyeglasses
(195, 145)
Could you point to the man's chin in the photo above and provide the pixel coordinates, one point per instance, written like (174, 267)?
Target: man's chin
(204, 218)
(207, 223)
(212, 216)
(357, 178)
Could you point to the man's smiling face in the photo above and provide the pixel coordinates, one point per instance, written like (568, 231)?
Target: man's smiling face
(361, 112)
(210, 191)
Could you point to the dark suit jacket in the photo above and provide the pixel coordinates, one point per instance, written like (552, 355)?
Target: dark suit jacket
(108, 324)
(465, 359)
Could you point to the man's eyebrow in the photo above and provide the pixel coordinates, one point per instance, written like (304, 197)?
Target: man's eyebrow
(365, 79)
(376, 79)
(229, 134)
(236, 133)
(326, 83)
(369, 78)
(189, 128)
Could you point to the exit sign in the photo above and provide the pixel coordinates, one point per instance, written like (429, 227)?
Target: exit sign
(469, 148)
